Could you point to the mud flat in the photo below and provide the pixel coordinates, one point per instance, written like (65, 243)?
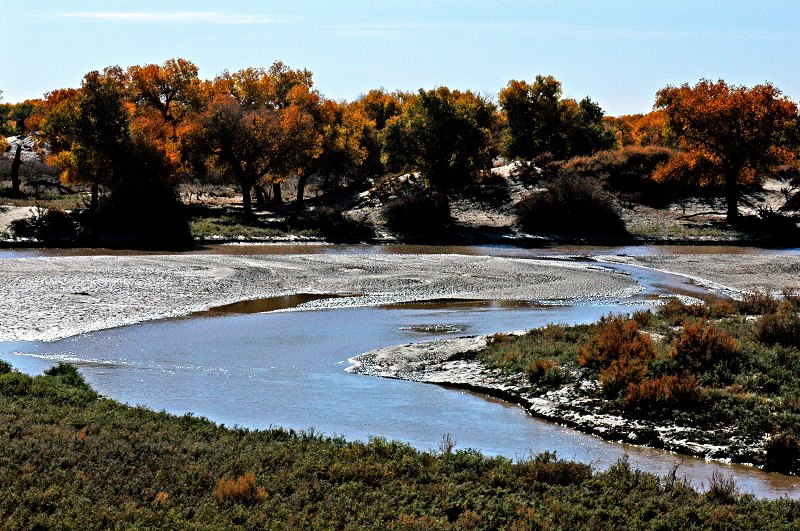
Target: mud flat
(453, 363)
(770, 271)
(49, 298)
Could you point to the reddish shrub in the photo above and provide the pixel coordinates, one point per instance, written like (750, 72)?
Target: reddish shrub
(665, 391)
(616, 338)
(702, 345)
(241, 489)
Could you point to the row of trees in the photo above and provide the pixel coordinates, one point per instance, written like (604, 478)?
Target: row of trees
(259, 127)
(157, 124)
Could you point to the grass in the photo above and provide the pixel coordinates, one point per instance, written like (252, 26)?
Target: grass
(716, 369)
(71, 459)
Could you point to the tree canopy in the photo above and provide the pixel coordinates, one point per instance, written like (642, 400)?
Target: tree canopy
(539, 121)
(446, 135)
(732, 135)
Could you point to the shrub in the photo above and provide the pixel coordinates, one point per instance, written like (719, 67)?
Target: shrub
(546, 468)
(417, 212)
(783, 454)
(622, 373)
(240, 489)
(781, 328)
(536, 369)
(668, 391)
(334, 226)
(757, 302)
(5, 367)
(626, 170)
(52, 225)
(616, 338)
(570, 205)
(67, 374)
(701, 346)
(722, 489)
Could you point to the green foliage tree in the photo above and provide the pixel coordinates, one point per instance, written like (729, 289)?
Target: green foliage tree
(89, 130)
(446, 135)
(539, 121)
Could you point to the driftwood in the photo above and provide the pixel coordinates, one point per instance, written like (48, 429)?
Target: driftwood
(49, 184)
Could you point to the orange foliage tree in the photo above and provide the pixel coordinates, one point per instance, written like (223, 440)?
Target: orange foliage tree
(732, 134)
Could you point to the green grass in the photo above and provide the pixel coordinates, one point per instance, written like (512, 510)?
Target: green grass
(70, 459)
(229, 226)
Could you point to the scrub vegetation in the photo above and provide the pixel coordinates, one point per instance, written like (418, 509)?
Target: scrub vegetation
(73, 459)
(728, 369)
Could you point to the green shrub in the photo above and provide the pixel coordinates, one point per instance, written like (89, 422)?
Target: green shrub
(68, 375)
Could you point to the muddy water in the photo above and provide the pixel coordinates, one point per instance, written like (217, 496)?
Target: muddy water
(286, 368)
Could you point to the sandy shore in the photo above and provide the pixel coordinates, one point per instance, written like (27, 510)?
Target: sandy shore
(742, 272)
(49, 298)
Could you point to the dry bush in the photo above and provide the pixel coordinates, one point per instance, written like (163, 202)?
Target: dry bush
(642, 317)
(616, 338)
(757, 303)
(702, 345)
(722, 489)
(679, 392)
(240, 489)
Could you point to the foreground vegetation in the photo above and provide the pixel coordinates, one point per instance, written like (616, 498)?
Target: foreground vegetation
(72, 459)
(726, 371)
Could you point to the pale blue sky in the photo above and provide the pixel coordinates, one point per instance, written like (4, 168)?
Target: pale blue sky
(617, 52)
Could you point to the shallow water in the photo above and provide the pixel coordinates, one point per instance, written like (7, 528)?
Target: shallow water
(286, 369)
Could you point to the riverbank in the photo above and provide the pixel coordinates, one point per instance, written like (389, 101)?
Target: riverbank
(453, 363)
(48, 298)
(715, 381)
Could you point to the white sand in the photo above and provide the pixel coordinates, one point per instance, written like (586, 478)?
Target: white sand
(49, 298)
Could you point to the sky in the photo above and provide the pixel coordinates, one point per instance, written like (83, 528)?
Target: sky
(619, 53)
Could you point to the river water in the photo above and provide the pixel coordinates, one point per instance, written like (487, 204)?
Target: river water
(286, 368)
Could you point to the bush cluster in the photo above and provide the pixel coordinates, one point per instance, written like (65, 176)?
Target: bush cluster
(417, 212)
(570, 205)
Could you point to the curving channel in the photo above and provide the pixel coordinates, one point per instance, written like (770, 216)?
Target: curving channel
(286, 368)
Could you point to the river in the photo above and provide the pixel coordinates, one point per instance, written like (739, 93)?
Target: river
(286, 368)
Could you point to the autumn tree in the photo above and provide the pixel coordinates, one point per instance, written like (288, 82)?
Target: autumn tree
(732, 135)
(641, 129)
(88, 130)
(377, 106)
(538, 121)
(446, 135)
(259, 124)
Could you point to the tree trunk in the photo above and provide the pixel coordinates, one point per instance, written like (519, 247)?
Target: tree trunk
(732, 195)
(259, 190)
(277, 198)
(15, 170)
(246, 203)
(95, 196)
(301, 190)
